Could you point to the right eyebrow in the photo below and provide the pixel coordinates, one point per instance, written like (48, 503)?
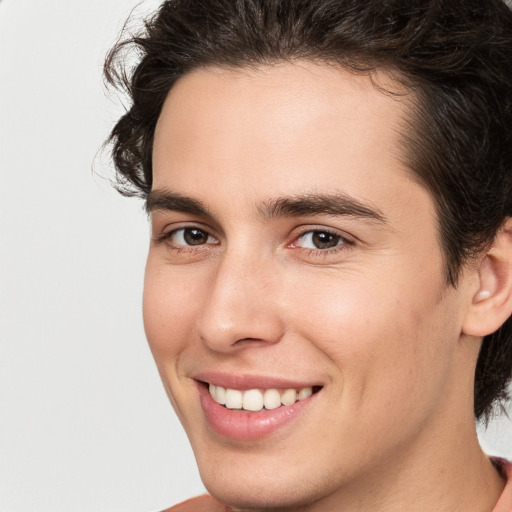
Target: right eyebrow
(165, 200)
(309, 205)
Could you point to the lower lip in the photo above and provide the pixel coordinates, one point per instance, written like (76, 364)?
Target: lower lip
(248, 426)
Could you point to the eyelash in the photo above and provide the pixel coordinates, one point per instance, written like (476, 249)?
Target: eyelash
(345, 241)
(165, 238)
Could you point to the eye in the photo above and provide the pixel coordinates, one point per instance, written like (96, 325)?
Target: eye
(318, 239)
(191, 236)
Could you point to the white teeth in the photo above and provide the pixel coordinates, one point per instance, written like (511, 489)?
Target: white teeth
(289, 397)
(305, 393)
(255, 400)
(221, 395)
(233, 399)
(218, 393)
(272, 399)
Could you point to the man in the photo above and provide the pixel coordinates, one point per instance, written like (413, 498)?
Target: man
(329, 282)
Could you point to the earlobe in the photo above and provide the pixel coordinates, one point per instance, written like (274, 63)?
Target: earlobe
(492, 300)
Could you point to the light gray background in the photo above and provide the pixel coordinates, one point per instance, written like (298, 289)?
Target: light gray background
(84, 422)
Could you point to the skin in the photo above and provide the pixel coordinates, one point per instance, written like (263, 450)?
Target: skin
(371, 318)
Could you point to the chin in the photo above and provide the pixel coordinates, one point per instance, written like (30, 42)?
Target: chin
(260, 481)
(246, 494)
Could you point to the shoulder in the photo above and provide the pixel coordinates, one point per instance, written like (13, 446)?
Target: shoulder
(204, 503)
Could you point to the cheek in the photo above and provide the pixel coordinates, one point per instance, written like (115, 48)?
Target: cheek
(389, 343)
(169, 305)
(169, 311)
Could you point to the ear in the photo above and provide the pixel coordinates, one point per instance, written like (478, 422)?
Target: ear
(492, 297)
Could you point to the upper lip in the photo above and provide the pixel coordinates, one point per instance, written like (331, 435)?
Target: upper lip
(244, 382)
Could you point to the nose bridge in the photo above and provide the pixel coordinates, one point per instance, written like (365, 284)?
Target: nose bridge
(242, 302)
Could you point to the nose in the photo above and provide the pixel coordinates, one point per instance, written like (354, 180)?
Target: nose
(241, 308)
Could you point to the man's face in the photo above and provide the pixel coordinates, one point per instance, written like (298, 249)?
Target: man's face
(292, 250)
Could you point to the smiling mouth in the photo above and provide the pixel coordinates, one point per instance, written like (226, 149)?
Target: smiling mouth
(255, 400)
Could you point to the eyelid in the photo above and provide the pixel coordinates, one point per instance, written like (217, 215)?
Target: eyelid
(208, 241)
(170, 229)
(163, 220)
(329, 255)
(308, 239)
(305, 230)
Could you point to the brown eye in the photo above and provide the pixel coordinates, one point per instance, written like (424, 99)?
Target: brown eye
(195, 236)
(191, 236)
(324, 240)
(319, 240)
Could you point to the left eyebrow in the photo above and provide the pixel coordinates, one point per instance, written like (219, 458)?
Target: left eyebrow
(338, 204)
(165, 200)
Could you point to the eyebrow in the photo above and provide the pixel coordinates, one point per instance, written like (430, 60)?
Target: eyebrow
(162, 200)
(337, 204)
(306, 205)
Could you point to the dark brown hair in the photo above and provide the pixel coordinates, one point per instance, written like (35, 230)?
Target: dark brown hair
(455, 55)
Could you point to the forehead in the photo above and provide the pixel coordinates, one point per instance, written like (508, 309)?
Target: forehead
(297, 126)
(280, 95)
